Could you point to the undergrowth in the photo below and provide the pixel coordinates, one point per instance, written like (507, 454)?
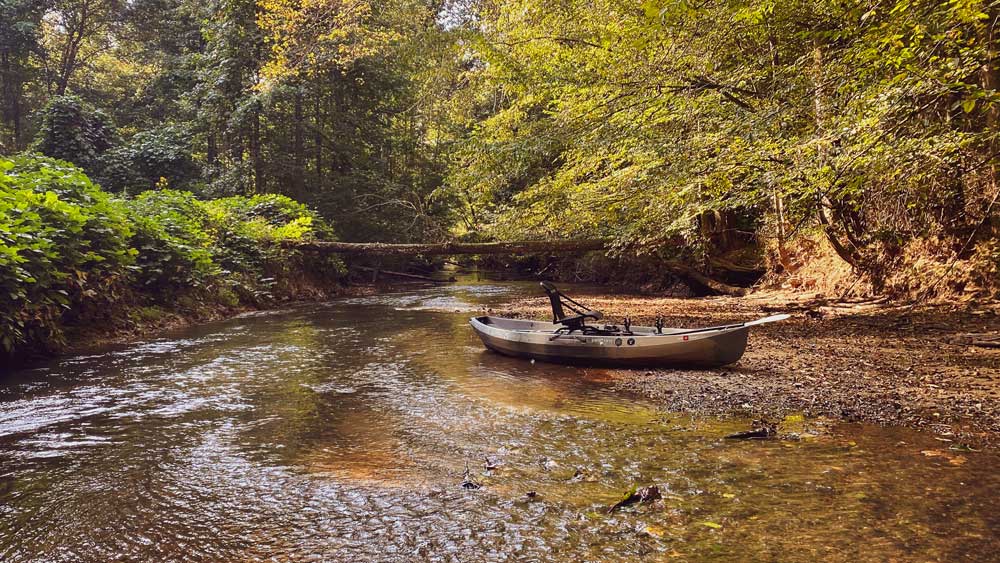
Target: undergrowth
(72, 254)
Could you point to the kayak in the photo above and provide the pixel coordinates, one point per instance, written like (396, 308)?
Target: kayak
(568, 339)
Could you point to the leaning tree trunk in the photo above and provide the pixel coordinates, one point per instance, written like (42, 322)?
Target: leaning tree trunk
(847, 252)
(990, 79)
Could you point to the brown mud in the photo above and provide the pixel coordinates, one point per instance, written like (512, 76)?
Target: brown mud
(872, 362)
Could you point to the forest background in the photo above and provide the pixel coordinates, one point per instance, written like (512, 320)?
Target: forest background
(163, 151)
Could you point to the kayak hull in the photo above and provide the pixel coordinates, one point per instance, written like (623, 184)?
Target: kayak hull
(712, 347)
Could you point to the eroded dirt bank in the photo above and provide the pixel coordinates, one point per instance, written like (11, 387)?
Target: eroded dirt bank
(871, 362)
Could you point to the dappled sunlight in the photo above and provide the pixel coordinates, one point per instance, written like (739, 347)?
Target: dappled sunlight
(376, 429)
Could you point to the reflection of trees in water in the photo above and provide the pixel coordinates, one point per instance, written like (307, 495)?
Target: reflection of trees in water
(375, 397)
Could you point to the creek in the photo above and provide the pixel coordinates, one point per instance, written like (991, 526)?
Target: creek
(341, 432)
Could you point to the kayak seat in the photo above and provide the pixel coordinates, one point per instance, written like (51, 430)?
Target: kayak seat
(581, 313)
(576, 322)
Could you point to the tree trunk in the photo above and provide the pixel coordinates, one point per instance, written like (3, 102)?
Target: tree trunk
(298, 158)
(831, 235)
(448, 248)
(990, 78)
(75, 34)
(682, 271)
(258, 161)
(7, 80)
(849, 255)
(213, 147)
(318, 139)
(696, 278)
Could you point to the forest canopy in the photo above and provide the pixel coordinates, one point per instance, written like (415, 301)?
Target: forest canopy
(733, 136)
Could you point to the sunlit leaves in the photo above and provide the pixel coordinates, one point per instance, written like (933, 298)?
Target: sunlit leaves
(308, 36)
(65, 245)
(649, 116)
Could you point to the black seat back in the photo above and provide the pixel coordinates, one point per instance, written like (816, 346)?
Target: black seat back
(555, 301)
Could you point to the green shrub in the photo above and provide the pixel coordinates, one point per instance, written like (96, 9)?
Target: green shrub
(279, 216)
(68, 249)
(175, 248)
(62, 241)
(139, 163)
(74, 131)
(244, 223)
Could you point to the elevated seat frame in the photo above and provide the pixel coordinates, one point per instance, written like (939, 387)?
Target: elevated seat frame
(576, 321)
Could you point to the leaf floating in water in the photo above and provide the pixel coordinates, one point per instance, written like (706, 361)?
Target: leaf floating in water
(952, 458)
(655, 531)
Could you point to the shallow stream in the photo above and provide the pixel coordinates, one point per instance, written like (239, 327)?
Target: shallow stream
(341, 432)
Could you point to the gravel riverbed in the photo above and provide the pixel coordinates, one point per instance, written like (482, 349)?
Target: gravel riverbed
(868, 362)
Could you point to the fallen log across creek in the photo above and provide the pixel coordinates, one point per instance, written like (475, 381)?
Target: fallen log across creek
(450, 248)
(680, 270)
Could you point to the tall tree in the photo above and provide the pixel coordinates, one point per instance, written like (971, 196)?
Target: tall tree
(19, 39)
(78, 30)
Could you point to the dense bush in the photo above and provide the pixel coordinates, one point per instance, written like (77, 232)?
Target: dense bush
(140, 162)
(75, 131)
(66, 246)
(61, 240)
(175, 248)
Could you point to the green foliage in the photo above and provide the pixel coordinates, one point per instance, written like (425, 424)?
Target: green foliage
(18, 41)
(149, 156)
(274, 216)
(62, 240)
(877, 120)
(173, 243)
(874, 124)
(72, 130)
(67, 247)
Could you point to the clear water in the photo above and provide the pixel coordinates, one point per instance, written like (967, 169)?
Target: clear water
(341, 432)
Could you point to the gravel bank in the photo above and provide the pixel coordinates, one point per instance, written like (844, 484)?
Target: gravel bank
(860, 362)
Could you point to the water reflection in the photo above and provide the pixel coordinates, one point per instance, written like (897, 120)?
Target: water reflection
(341, 432)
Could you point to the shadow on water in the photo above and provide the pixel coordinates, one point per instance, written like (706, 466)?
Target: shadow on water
(342, 432)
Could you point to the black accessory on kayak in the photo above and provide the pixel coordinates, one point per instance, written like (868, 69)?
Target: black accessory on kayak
(572, 322)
